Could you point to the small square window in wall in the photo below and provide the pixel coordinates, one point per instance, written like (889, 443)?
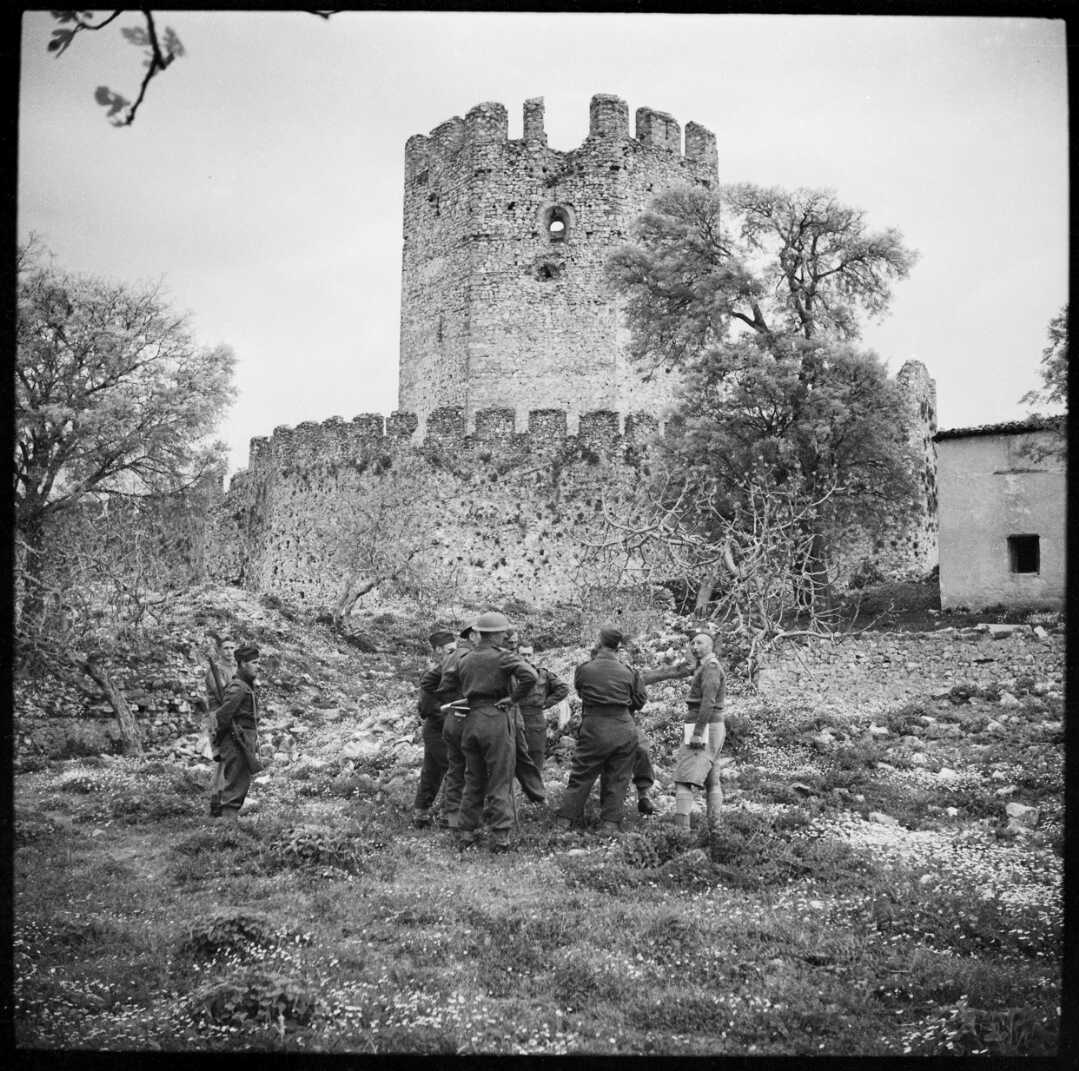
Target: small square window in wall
(1024, 554)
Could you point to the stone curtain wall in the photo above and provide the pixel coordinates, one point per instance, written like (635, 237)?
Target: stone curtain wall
(507, 511)
(503, 298)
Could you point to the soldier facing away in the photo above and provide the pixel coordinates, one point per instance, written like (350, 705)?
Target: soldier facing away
(610, 693)
(492, 679)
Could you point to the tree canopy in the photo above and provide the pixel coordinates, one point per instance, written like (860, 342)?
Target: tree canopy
(1054, 366)
(786, 263)
(757, 297)
(112, 393)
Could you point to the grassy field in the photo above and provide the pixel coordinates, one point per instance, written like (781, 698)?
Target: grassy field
(854, 901)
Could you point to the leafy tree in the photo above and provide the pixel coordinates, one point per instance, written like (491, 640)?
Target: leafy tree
(113, 396)
(761, 317)
(114, 406)
(1054, 390)
(1053, 393)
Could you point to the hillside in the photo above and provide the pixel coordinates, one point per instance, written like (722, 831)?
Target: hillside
(887, 878)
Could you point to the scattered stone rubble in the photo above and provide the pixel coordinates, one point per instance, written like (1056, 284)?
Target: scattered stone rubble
(327, 707)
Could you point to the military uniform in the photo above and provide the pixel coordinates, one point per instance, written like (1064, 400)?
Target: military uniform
(238, 709)
(453, 780)
(548, 690)
(435, 758)
(485, 676)
(610, 691)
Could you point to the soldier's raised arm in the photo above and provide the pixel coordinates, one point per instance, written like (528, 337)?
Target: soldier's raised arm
(524, 675)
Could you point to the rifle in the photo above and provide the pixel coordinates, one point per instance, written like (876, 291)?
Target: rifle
(215, 691)
(215, 686)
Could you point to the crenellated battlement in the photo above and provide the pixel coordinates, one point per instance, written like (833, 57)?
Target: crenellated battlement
(601, 431)
(487, 125)
(505, 300)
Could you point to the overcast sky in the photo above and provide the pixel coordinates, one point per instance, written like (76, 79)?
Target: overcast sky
(262, 178)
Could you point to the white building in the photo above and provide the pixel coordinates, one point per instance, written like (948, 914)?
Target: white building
(1002, 505)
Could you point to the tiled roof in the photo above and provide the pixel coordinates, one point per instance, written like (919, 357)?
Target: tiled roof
(1012, 427)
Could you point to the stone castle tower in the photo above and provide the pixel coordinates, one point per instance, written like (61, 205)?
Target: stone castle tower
(503, 299)
(516, 397)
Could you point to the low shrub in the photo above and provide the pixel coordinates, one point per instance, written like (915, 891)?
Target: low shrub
(854, 760)
(680, 1013)
(654, 846)
(257, 999)
(601, 876)
(964, 1030)
(907, 719)
(581, 982)
(312, 845)
(674, 938)
(963, 923)
(740, 731)
(226, 933)
(150, 806)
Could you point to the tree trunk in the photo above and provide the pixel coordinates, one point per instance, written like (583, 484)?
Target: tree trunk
(818, 570)
(129, 729)
(353, 590)
(29, 567)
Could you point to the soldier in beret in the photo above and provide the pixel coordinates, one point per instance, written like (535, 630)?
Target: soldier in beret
(235, 737)
(443, 643)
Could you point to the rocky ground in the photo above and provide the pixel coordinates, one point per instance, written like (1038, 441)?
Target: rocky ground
(921, 704)
(937, 751)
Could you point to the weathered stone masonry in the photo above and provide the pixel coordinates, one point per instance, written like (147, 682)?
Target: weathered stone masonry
(506, 323)
(506, 509)
(503, 297)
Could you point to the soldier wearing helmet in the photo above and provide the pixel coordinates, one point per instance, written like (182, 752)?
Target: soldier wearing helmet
(491, 678)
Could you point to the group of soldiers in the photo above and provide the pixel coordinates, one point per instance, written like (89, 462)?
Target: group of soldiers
(483, 706)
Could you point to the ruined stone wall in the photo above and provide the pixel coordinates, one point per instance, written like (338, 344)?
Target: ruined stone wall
(904, 546)
(503, 297)
(508, 513)
(505, 511)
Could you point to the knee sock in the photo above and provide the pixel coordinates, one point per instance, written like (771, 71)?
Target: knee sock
(683, 804)
(714, 802)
